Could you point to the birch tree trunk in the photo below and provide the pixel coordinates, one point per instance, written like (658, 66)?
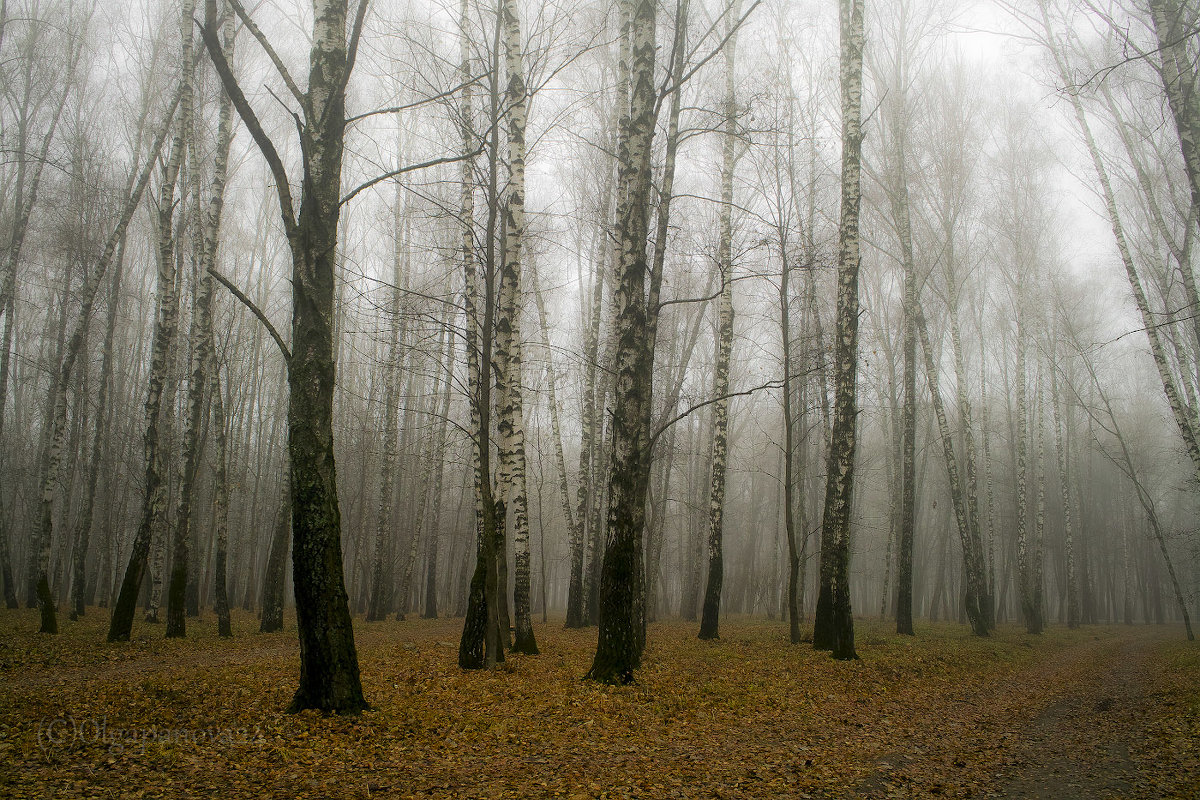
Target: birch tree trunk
(220, 507)
(1182, 419)
(834, 629)
(329, 677)
(716, 503)
(439, 460)
(1061, 424)
(908, 418)
(1178, 74)
(618, 650)
(275, 577)
(165, 325)
(201, 334)
(1024, 566)
(381, 583)
(973, 573)
(510, 422)
(1036, 622)
(481, 644)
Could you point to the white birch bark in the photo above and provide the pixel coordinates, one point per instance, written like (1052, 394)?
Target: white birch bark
(510, 405)
(720, 425)
(834, 624)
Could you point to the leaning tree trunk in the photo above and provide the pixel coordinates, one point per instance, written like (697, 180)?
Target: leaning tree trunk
(618, 651)
(834, 629)
(165, 324)
(716, 503)
(1183, 421)
(1179, 82)
(973, 573)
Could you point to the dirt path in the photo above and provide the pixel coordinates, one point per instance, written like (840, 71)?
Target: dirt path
(1075, 727)
(1080, 747)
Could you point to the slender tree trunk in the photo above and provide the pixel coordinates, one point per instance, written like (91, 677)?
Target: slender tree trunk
(1183, 419)
(439, 459)
(482, 644)
(275, 578)
(834, 624)
(1179, 82)
(220, 507)
(1061, 424)
(511, 423)
(165, 324)
(209, 232)
(716, 504)
(973, 573)
(908, 420)
(382, 574)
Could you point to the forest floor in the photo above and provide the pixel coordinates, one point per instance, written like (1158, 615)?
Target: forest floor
(1093, 713)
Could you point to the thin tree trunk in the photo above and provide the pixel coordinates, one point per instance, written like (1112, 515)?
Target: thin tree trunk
(716, 503)
(834, 628)
(481, 644)
(973, 571)
(209, 232)
(271, 619)
(511, 422)
(439, 458)
(382, 573)
(165, 324)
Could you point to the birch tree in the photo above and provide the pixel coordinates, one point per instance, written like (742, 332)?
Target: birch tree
(716, 506)
(834, 625)
(618, 652)
(329, 678)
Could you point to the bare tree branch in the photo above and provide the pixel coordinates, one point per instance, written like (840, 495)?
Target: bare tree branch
(257, 33)
(255, 310)
(410, 168)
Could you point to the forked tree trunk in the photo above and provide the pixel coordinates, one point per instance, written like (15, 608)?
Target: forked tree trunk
(166, 321)
(618, 651)
(203, 379)
(834, 629)
(329, 677)
(510, 406)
